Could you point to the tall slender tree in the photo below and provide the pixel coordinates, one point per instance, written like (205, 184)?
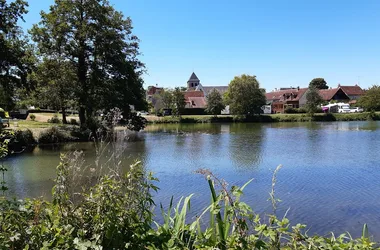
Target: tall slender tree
(313, 100)
(178, 102)
(98, 41)
(16, 54)
(214, 103)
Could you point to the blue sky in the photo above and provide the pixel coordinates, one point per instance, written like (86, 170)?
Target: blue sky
(283, 43)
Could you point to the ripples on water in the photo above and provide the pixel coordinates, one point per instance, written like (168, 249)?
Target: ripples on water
(329, 180)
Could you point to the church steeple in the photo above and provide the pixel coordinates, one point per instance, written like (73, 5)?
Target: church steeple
(193, 81)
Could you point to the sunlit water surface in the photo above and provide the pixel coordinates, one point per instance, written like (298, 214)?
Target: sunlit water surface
(330, 178)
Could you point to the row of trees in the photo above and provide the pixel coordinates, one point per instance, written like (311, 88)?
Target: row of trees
(84, 55)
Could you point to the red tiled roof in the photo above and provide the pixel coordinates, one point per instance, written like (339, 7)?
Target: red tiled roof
(328, 94)
(286, 95)
(352, 90)
(193, 94)
(153, 90)
(197, 102)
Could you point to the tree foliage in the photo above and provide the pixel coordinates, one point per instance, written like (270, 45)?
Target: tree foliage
(98, 41)
(371, 99)
(245, 96)
(56, 82)
(16, 55)
(163, 100)
(318, 83)
(214, 102)
(167, 98)
(178, 102)
(313, 100)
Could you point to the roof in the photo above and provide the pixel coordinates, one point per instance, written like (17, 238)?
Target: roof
(194, 93)
(153, 90)
(197, 102)
(286, 95)
(352, 90)
(220, 89)
(328, 94)
(193, 77)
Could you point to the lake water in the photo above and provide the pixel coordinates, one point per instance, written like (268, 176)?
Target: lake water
(330, 178)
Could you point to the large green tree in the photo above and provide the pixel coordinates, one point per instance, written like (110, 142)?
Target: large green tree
(245, 96)
(178, 102)
(16, 54)
(56, 81)
(98, 41)
(167, 98)
(371, 99)
(313, 100)
(214, 103)
(318, 83)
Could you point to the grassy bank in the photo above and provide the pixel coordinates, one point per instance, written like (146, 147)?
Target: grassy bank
(266, 118)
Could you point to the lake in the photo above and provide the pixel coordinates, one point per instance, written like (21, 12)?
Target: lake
(329, 179)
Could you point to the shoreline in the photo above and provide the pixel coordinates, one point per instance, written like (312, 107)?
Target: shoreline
(273, 118)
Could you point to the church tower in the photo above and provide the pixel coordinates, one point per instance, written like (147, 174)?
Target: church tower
(193, 81)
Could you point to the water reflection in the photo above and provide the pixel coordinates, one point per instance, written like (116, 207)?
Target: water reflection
(245, 145)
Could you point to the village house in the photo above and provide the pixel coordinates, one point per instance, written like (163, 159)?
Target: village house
(152, 90)
(296, 97)
(285, 97)
(353, 92)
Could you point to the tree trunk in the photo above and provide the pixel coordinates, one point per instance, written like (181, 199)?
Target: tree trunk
(82, 74)
(64, 120)
(82, 116)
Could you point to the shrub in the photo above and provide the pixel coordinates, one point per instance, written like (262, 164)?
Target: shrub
(290, 110)
(81, 134)
(54, 119)
(114, 213)
(24, 137)
(302, 110)
(32, 117)
(73, 121)
(54, 135)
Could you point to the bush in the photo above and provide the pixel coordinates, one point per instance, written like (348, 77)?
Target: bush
(290, 110)
(24, 137)
(81, 134)
(32, 117)
(302, 110)
(115, 213)
(54, 135)
(73, 121)
(54, 119)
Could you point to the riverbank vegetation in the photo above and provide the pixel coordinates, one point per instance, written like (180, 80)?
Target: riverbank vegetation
(375, 116)
(94, 210)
